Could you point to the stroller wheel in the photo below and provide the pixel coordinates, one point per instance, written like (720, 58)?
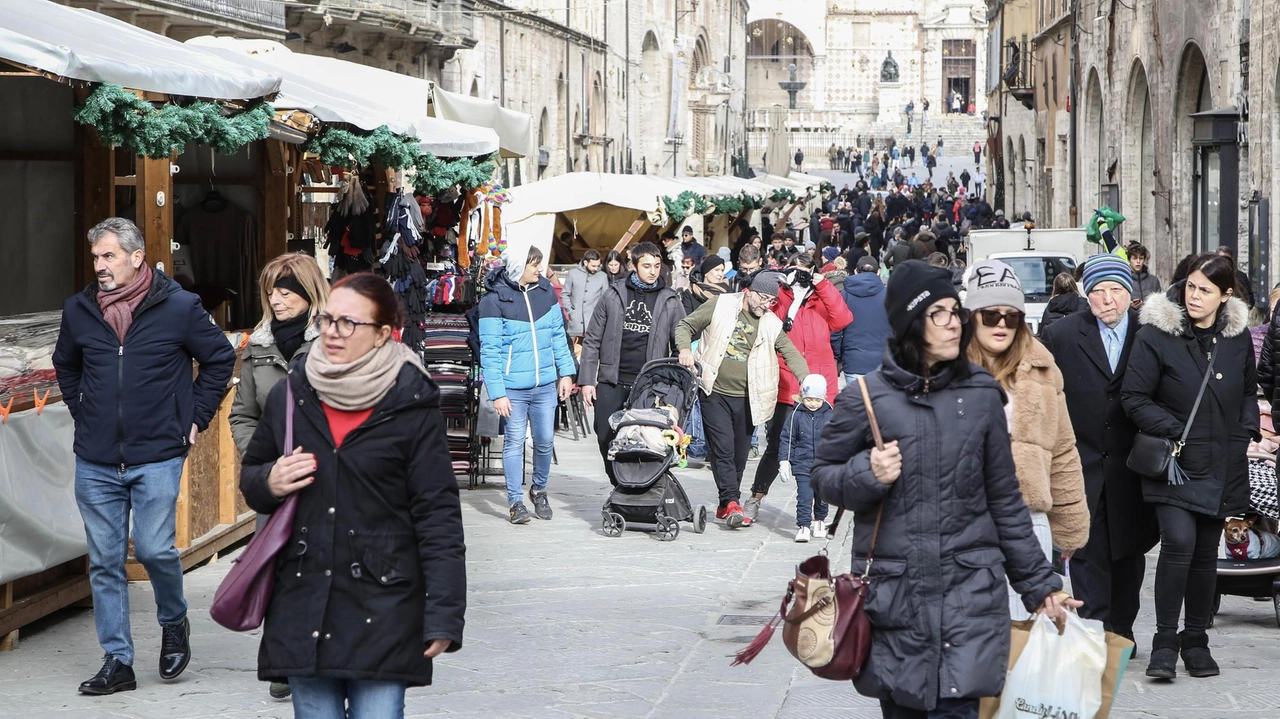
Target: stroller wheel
(700, 521)
(667, 529)
(612, 524)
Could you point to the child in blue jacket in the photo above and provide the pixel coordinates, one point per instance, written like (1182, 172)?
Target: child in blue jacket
(800, 436)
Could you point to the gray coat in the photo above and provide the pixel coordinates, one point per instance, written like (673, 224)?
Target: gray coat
(602, 344)
(582, 291)
(954, 523)
(262, 367)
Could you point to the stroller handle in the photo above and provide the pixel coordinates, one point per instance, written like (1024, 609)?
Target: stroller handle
(697, 366)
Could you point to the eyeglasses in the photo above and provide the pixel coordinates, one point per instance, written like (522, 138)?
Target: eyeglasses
(942, 318)
(766, 300)
(346, 326)
(1012, 320)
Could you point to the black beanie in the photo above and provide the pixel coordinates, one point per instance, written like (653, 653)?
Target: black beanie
(913, 287)
(710, 263)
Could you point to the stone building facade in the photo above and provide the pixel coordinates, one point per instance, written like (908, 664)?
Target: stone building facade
(1011, 160)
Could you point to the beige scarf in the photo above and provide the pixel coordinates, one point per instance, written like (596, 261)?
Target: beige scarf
(360, 384)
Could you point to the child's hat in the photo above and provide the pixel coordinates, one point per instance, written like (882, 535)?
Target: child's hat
(814, 387)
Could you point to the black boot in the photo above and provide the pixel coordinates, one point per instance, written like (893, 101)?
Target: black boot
(113, 677)
(1164, 656)
(175, 648)
(1196, 656)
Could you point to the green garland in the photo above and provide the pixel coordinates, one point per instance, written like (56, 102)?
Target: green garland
(381, 147)
(782, 195)
(685, 204)
(434, 175)
(826, 187)
(735, 204)
(123, 119)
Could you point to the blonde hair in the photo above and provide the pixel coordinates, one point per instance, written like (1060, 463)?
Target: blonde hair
(302, 268)
(1004, 366)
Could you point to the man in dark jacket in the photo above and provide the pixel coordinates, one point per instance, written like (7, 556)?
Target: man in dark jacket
(635, 322)
(860, 345)
(689, 246)
(1144, 282)
(123, 360)
(1092, 350)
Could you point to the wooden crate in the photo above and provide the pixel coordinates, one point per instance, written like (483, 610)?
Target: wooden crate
(33, 597)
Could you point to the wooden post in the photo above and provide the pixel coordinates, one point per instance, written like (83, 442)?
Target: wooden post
(155, 211)
(276, 200)
(228, 474)
(95, 192)
(8, 642)
(182, 522)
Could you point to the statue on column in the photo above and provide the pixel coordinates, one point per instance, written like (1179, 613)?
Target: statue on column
(791, 72)
(889, 70)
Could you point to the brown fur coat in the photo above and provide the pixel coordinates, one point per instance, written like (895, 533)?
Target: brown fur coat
(1044, 449)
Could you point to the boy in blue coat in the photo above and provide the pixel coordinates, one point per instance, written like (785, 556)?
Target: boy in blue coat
(800, 436)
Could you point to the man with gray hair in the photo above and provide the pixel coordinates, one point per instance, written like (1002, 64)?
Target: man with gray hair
(123, 360)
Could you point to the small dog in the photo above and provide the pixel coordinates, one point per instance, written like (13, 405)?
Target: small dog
(1245, 542)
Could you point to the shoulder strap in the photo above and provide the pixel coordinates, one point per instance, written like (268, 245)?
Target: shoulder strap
(879, 439)
(288, 416)
(1199, 396)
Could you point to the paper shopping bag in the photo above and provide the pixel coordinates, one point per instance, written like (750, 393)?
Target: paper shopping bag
(1119, 652)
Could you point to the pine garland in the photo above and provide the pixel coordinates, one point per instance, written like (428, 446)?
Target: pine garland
(382, 147)
(783, 195)
(685, 204)
(434, 175)
(123, 119)
(735, 204)
(826, 187)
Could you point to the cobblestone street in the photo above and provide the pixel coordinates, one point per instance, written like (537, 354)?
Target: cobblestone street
(564, 622)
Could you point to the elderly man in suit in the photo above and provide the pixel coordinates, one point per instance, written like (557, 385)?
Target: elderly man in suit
(1092, 349)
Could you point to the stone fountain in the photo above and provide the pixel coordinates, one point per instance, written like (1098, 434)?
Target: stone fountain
(791, 86)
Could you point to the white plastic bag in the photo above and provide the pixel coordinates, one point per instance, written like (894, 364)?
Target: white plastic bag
(1057, 676)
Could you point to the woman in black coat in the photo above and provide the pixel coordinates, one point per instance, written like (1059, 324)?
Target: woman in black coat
(1166, 367)
(372, 584)
(954, 520)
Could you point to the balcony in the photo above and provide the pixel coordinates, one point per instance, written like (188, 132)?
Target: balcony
(184, 19)
(1018, 72)
(348, 25)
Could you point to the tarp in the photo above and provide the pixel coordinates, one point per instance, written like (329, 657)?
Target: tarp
(362, 97)
(515, 129)
(85, 45)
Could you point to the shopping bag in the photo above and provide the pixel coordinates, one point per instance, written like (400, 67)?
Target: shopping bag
(1055, 675)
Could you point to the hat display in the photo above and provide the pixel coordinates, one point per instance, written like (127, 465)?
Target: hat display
(992, 283)
(913, 287)
(1106, 268)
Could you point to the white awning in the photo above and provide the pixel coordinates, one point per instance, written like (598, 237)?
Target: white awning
(340, 91)
(515, 129)
(85, 45)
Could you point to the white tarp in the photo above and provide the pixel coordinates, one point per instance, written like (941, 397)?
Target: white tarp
(40, 524)
(85, 45)
(515, 129)
(579, 190)
(340, 91)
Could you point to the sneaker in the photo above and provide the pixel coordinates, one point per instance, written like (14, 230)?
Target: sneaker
(754, 453)
(541, 507)
(804, 534)
(819, 528)
(751, 508)
(175, 648)
(520, 514)
(113, 677)
(733, 516)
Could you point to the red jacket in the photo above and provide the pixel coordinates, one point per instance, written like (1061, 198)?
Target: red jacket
(824, 311)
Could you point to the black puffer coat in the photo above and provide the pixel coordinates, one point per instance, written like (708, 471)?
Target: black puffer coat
(1165, 370)
(954, 522)
(375, 568)
(1268, 373)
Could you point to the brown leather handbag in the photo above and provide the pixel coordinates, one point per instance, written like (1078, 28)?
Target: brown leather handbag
(824, 622)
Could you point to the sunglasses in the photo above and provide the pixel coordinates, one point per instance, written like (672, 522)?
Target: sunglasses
(1012, 320)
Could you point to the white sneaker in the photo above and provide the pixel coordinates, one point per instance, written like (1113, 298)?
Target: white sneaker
(819, 528)
(803, 535)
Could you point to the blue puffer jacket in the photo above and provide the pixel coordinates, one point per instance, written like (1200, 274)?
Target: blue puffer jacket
(800, 436)
(860, 345)
(522, 340)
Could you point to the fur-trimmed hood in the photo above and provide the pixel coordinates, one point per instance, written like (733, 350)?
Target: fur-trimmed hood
(263, 337)
(1166, 315)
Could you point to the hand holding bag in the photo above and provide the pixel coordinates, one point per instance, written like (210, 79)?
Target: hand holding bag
(1157, 456)
(827, 627)
(242, 598)
(1056, 674)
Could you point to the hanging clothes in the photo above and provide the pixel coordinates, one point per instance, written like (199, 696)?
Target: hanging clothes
(223, 241)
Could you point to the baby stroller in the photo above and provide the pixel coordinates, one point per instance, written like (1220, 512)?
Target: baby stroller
(1254, 577)
(649, 432)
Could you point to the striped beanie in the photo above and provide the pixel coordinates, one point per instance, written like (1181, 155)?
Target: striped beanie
(1106, 268)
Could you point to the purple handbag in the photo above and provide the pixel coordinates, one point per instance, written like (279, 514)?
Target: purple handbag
(241, 600)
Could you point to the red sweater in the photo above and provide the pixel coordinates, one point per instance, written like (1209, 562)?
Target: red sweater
(341, 422)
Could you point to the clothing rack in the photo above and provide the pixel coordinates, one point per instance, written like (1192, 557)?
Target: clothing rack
(448, 360)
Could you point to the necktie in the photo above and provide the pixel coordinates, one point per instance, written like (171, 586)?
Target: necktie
(1113, 349)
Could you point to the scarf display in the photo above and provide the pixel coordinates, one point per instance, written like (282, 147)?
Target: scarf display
(362, 383)
(118, 305)
(290, 334)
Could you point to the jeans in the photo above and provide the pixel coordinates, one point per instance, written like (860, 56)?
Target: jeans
(945, 709)
(850, 378)
(324, 698)
(105, 494)
(609, 399)
(767, 470)
(697, 445)
(727, 421)
(807, 507)
(531, 409)
(1188, 568)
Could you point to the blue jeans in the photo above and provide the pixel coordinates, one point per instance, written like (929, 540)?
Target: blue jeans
(530, 409)
(324, 698)
(105, 494)
(698, 445)
(807, 509)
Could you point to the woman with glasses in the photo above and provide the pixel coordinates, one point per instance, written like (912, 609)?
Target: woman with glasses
(372, 583)
(1044, 444)
(942, 497)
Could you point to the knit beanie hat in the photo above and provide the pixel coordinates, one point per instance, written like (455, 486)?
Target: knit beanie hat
(1106, 268)
(814, 386)
(830, 253)
(710, 263)
(913, 287)
(766, 283)
(992, 283)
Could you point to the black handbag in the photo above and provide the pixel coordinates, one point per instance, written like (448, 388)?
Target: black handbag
(1158, 457)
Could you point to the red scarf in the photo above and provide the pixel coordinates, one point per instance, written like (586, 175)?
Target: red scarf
(118, 305)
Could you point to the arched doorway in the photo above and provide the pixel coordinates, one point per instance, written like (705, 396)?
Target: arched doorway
(1137, 173)
(653, 87)
(1091, 153)
(1197, 192)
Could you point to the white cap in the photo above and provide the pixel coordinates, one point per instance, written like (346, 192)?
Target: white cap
(814, 386)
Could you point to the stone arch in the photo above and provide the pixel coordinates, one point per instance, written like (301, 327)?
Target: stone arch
(773, 45)
(1137, 160)
(1194, 94)
(1091, 150)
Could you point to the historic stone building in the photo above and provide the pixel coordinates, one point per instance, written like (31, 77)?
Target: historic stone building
(1012, 110)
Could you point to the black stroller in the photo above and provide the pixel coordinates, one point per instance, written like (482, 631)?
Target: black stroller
(1252, 577)
(646, 445)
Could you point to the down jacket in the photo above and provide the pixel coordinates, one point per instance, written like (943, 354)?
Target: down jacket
(375, 567)
(1268, 372)
(522, 339)
(1044, 449)
(1165, 371)
(799, 440)
(954, 523)
(822, 312)
(263, 366)
(860, 344)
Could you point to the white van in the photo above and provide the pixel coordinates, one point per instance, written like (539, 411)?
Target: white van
(1036, 257)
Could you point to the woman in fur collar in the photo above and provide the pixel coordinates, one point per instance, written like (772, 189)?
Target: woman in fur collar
(1044, 445)
(1181, 329)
